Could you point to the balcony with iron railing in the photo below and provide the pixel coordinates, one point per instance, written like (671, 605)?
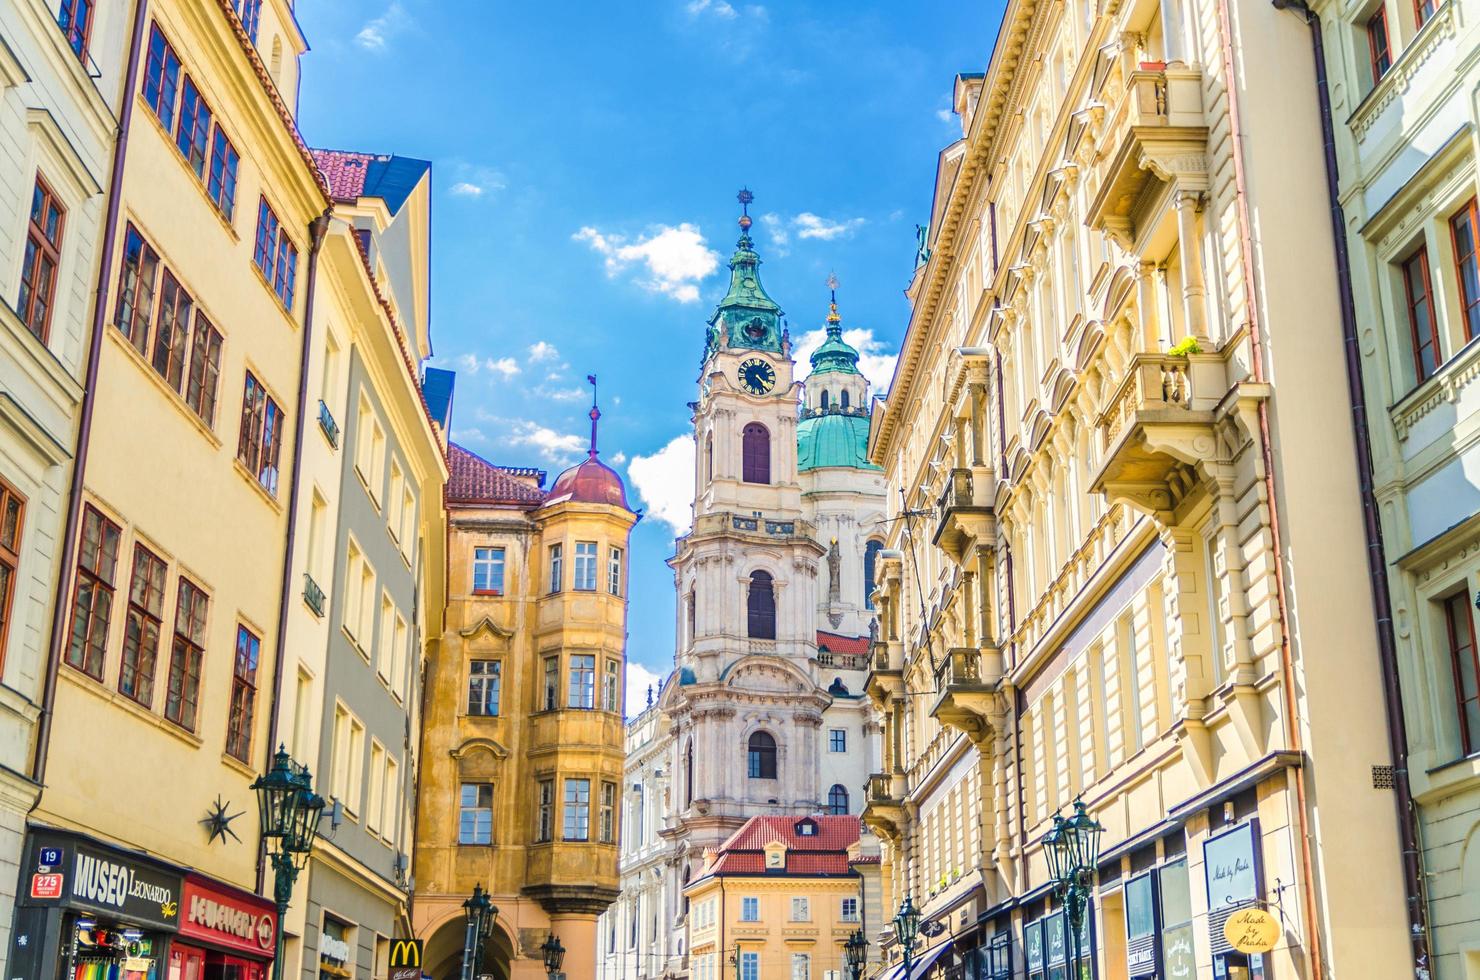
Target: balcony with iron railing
(313, 595)
(967, 680)
(328, 425)
(965, 514)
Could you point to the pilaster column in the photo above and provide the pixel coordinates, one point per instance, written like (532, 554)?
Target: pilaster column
(1193, 306)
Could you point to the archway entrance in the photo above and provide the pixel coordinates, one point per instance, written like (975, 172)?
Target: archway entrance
(444, 952)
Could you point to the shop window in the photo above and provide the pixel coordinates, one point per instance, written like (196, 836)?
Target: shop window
(557, 575)
(761, 756)
(12, 515)
(1423, 330)
(1140, 926)
(760, 607)
(755, 454)
(92, 601)
(475, 814)
(43, 255)
(161, 77)
(241, 712)
(1379, 48)
(142, 627)
(186, 654)
(488, 571)
(261, 440)
(998, 965)
(1463, 230)
(611, 687)
(484, 682)
(336, 949)
(585, 568)
(577, 810)
(582, 682)
(1175, 893)
(545, 812)
(1465, 660)
(837, 800)
(74, 17)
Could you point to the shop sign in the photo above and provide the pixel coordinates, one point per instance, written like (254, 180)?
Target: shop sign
(1230, 867)
(46, 886)
(1252, 930)
(1057, 948)
(104, 880)
(405, 959)
(223, 917)
(1033, 940)
(333, 949)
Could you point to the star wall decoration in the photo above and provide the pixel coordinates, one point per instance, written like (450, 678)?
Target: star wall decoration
(218, 822)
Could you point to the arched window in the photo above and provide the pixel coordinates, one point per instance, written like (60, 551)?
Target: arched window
(761, 757)
(688, 775)
(837, 800)
(824, 399)
(760, 607)
(870, 561)
(709, 458)
(756, 453)
(845, 397)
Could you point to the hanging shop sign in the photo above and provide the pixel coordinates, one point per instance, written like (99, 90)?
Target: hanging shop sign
(76, 872)
(405, 959)
(227, 918)
(1231, 869)
(1252, 930)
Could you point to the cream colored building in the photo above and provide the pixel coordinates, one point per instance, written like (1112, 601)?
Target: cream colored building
(1400, 79)
(1119, 422)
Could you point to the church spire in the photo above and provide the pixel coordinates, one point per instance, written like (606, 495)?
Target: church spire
(747, 314)
(835, 354)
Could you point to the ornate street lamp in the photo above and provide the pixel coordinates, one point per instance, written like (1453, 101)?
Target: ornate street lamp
(1072, 849)
(856, 951)
(479, 913)
(554, 955)
(290, 811)
(906, 929)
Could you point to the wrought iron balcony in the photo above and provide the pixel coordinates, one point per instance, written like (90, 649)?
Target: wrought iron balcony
(967, 680)
(313, 595)
(327, 423)
(883, 809)
(966, 516)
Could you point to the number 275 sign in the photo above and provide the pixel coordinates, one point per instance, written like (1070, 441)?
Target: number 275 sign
(46, 886)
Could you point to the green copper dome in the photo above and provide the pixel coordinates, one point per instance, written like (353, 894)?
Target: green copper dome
(836, 437)
(834, 356)
(748, 316)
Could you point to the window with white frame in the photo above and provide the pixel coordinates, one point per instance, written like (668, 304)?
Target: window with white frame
(375, 806)
(488, 571)
(801, 909)
(557, 567)
(850, 910)
(577, 810)
(750, 966)
(801, 966)
(585, 569)
(611, 686)
(582, 681)
(386, 639)
(475, 814)
(750, 909)
(614, 571)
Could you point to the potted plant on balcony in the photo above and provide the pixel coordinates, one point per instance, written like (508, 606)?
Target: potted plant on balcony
(1182, 348)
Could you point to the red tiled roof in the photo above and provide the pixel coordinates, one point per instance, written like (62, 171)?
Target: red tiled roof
(822, 853)
(474, 479)
(345, 171)
(838, 643)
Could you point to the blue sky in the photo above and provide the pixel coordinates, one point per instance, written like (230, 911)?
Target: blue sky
(585, 163)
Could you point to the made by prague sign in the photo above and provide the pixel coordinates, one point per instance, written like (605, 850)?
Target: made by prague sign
(244, 923)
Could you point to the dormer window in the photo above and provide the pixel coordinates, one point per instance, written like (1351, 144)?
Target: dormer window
(806, 827)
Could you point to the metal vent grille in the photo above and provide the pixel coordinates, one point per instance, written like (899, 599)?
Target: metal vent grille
(1382, 777)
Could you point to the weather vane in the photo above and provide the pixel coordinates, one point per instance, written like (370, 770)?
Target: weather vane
(745, 197)
(832, 306)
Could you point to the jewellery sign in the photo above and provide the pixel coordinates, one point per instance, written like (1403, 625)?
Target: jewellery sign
(225, 917)
(77, 873)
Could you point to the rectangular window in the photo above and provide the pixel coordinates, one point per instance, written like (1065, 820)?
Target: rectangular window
(265, 248)
(1421, 326)
(386, 639)
(74, 17)
(375, 806)
(585, 566)
(484, 681)
(355, 773)
(608, 826)
(142, 626)
(92, 602)
(801, 966)
(261, 439)
(221, 184)
(552, 683)
(399, 645)
(390, 819)
(488, 571)
(43, 255)
(1463, 229)
(577, 809)
(161, 77)
(582, 684)
(249, 12)
(12, 514)
(339, 755)
(850, 910)
(801, 910)
(611, 687)
(556, 571)
(614, 571)
(1379, 50)
(137, 279)
(837, 740)
(475, 814)
(193, 133)
(407, 534)
(1175, 894)
(243, 695)
(1465, 660)
(750, 909)
(750, 966)
(1131, 689)
(172, 330)
(286, 281)
(205, 369)
(544, 827)
(1423, 10)
(186, 654)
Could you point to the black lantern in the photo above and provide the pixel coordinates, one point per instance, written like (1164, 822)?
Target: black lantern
(554, 954)
(856, 951)
(480, 913)
(289, 810)
(906, 929)
(1072, 850)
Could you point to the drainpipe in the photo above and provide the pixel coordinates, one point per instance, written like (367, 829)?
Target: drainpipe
(1392, 690)
(1313, 951)
(316, 230)
(61, 607)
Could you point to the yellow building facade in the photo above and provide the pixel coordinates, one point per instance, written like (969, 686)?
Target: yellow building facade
(522, 743)
(1130, 567)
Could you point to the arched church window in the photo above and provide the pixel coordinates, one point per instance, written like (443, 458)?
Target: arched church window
(756, 454)
(760, 607)
(837, 800)
(824, 399)
(870, 561)
(844, 397)
(761, 757)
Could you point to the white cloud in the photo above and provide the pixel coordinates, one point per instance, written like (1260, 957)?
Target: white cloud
(376, 35)
(562, 394)
(553, 446)
(639, 679)
(475, 181)
(665, 481)
(718, 8)
(542, 351)
(468, 435)
(809, 225)
(506, 366)
(776, 230)
(472, 364)
(946, 115)
(618, 458)
(674, 260)
(875, 360)
(465, 189)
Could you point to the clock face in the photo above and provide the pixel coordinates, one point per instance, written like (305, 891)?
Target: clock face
(757, 376)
